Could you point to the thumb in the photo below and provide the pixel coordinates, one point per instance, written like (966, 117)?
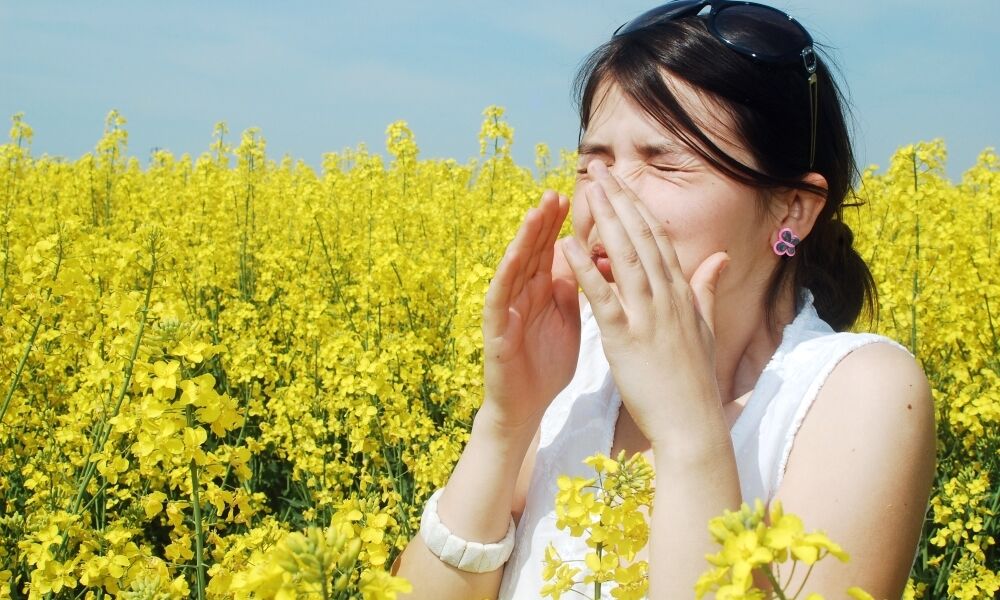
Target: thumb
(703, 284)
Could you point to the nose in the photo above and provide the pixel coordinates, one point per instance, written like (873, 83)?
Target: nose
(624, 173)
(615, 169)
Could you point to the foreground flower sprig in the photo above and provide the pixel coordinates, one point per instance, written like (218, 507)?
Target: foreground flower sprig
(751, 543)
(610, 509)
(315, 564)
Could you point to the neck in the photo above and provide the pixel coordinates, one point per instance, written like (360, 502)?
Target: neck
(744, 342)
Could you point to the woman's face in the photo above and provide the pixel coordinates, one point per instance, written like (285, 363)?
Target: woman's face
(702, 211)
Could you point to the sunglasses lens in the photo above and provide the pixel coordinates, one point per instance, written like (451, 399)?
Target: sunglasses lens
(661, 14)
(761, 31)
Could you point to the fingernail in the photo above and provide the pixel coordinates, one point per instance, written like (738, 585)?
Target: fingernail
(599, 168)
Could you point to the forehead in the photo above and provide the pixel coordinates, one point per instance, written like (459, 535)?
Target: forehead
(611, 108)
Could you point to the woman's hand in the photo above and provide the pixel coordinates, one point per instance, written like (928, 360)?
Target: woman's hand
(657, 330)
(531, 322)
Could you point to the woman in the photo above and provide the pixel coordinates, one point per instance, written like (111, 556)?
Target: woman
(716, 275)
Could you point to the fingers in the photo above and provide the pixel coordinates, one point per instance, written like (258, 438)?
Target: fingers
(704, 283)
(626, 259)
(560, 208)
(532, 250)
(548, 208)
(603, 300)
(529, 253)
(642, 255)
(560, 266)
(672, 266)
(635, 253)
(509, 275)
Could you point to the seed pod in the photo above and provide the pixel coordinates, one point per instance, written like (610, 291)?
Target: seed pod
(341, 583)
(332, 539)
(296, 543)
(339, 539)
(350, 555)
(311, 567)
(287, 562)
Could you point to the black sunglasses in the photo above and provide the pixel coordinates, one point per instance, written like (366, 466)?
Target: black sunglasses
(761, 32)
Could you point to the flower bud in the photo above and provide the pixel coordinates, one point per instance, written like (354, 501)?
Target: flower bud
(341, 583)
(350, 555)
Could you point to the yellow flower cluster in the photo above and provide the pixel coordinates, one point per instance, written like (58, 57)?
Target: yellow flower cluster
(932, 246)
(201, 356)
(610, 512)
(749, 543)
(316, 564)
(609, 509)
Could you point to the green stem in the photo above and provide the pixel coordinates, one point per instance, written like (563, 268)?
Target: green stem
(31, 340)
(792, 573)
(803, 584)
(20, 367)
(597, 584)
(196, 500)
(775, 586)
(945, 570)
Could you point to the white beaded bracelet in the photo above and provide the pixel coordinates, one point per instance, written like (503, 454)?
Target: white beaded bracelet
(472, 557)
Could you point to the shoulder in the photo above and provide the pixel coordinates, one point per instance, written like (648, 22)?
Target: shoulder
(876, 394)
(872, 395)
(878, 368)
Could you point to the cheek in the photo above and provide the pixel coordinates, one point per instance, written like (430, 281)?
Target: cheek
(695, 237)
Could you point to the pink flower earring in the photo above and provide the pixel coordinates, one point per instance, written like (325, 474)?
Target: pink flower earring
(785, 246)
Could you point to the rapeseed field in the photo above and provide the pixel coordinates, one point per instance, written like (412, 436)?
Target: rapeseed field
(230, 376)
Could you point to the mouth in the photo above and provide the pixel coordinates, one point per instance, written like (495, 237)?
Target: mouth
(600, 257)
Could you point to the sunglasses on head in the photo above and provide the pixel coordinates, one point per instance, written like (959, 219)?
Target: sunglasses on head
(761, 32)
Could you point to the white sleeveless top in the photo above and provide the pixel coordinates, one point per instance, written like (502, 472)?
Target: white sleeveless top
(581, 422)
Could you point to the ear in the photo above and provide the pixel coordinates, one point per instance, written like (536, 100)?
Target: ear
(799, 209)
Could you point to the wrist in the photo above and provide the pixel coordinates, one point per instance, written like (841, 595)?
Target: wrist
(488, 423)
(473, 557)
(478, 497)
(698, 441)
(693, 450)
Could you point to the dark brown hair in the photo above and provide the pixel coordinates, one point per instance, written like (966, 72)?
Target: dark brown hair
(769, 107)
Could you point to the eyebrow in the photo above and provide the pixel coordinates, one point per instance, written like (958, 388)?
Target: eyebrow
(644, 150)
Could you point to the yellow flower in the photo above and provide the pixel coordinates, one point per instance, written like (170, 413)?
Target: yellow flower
(379, 585)
(602, 568)
(858, 594)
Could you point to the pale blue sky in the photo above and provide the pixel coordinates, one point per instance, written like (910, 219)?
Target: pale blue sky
(317, 77)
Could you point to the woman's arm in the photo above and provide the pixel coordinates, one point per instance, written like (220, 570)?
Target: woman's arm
(531, 342)
(700, 482)
(486, 487)
(861, 469)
